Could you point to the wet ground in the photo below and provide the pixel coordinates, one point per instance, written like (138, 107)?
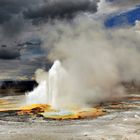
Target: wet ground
(121, 122)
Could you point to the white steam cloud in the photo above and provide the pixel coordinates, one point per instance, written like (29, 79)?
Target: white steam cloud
(96, 59)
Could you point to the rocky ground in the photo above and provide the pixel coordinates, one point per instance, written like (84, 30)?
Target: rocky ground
(121, 122)
(123, 125)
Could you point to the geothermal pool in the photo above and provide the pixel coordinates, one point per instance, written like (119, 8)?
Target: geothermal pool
(35, 115)
(120, 121)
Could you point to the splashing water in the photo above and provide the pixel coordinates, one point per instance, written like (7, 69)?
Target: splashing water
(48, 88)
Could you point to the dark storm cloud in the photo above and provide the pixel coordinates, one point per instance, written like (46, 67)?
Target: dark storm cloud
(17, 16)
(9, 53)
(15, 13)
(12, 25)
(61, 9)
(11, 8)
(11, 16)
(41, 9)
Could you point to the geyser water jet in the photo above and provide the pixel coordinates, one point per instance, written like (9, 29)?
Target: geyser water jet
(48, 89)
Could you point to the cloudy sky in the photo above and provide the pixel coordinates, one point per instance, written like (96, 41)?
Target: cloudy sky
(21, 51)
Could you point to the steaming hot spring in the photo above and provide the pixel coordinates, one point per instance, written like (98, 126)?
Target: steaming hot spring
(47, 98)
(51, 99)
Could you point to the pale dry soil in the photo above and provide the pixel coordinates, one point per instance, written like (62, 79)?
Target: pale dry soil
(117, 124)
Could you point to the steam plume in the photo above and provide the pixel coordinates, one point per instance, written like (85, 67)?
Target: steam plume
(97, 60)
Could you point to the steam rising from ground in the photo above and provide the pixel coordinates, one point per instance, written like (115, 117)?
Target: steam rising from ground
(50, 86)
(96, 60)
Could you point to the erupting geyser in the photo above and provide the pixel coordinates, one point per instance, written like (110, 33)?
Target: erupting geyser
(48, 89)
